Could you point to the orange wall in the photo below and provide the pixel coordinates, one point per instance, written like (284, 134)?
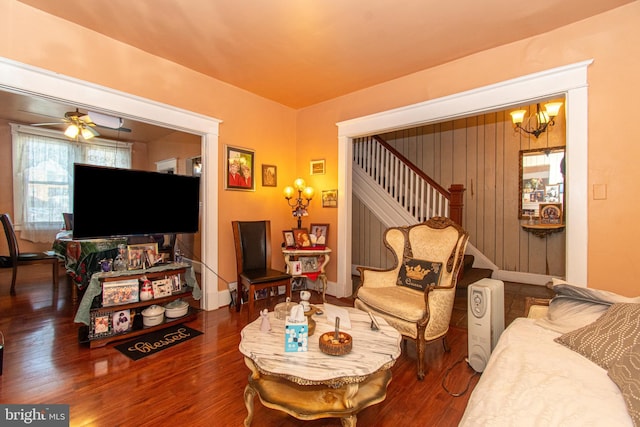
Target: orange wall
(613, 41)
(289, 139)
(248, 121)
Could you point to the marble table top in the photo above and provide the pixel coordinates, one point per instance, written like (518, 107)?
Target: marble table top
(372, 351)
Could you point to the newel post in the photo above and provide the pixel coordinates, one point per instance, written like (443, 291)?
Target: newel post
(456, 203)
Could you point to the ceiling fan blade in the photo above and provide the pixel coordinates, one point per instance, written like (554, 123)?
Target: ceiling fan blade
(46, 124)
(92, 130)
(120, 129)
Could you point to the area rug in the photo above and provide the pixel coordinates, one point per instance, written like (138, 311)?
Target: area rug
(154, 342)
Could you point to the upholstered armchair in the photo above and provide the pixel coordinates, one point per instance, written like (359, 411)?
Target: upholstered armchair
(416, 296)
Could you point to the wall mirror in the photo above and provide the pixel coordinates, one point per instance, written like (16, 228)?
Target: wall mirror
(542, 173)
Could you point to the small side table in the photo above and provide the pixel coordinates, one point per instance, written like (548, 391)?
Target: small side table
(317, 269)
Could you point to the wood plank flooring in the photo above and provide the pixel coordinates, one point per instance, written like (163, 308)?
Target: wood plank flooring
(197, 383)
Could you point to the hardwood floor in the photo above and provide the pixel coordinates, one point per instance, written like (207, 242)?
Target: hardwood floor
(197, 383)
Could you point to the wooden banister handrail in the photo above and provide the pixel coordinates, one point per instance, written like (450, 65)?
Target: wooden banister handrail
(413, 167)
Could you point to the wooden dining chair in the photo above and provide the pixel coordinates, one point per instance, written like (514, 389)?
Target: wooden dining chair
(252, 241)
(17, 258)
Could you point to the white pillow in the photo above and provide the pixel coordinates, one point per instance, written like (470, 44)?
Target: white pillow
(574, 307)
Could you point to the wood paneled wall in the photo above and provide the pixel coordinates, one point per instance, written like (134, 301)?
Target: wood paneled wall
(481, 152)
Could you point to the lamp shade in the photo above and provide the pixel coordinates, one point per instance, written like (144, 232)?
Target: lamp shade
(72, 131)
(518, 116)
(552, 108)
(288, 192)
(308, 193)
(299, 184)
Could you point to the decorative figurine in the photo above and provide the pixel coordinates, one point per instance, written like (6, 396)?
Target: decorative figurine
(265, 326)
(146, 291)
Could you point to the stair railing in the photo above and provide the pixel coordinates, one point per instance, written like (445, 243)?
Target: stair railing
(415, 191)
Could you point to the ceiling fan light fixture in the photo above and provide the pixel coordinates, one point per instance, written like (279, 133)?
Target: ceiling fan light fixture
(72, 131)
(87, 133)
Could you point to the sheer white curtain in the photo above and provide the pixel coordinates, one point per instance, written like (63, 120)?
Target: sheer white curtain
(43, 176)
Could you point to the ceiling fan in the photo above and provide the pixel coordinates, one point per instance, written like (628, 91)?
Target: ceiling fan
(84, 124)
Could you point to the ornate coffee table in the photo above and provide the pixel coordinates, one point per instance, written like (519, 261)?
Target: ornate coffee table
(311, 385)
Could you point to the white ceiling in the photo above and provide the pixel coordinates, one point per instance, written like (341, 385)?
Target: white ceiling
(301, 52)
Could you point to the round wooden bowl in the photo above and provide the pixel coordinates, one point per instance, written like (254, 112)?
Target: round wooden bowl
(339, 347)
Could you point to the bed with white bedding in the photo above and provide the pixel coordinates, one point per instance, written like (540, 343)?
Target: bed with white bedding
(532, 380)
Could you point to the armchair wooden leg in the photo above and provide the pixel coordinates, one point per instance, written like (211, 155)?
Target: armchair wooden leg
(445, 344)
(420, 347)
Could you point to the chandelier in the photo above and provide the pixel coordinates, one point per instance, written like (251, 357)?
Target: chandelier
(538, 123)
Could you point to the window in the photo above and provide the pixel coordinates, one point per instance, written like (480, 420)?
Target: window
(43, 176)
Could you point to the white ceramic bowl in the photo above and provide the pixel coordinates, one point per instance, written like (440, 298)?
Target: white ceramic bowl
(152, 315)
(177, 308)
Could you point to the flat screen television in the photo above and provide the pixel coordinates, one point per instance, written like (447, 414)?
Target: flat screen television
(125, 202)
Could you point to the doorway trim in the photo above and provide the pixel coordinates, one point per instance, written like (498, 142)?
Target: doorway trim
(27, 80)
(569, 81)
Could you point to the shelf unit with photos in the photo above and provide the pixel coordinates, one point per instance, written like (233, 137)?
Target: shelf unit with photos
(102, 329)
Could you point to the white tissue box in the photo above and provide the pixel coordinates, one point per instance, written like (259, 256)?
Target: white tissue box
(296, 335)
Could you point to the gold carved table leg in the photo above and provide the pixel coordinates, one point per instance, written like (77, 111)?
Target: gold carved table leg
(249, 395)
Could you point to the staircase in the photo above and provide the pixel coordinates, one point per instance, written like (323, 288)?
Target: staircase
(399, 193)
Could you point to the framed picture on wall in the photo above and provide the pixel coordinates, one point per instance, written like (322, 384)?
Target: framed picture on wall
(240, 169)
(329, 198)
(317, 167)
(269, 176)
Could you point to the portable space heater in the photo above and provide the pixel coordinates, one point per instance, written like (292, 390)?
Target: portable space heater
(486, 320)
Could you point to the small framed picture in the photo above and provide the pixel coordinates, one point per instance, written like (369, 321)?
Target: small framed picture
(289, 240)
(120, 292)
(269, 176)
(319, 234)
(121, 321)
(317, 167)
(550, 213)
(239, 163)
(176, 284)
(309, 264)
(329, 198)
(296, 268)
(143, 255)
(100, 324)
(301, 236)
(162, 288)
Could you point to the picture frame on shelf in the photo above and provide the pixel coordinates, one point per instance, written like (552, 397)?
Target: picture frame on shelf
(269, 176)
(176, 284)
(329, 198)
(299, 284)
(550, 213)
(301, 236)
(121, 321)
(319, 234)
(289, 239)
(120, 292)
(143, 255)
(309, 264)
(296, 268)
(162, 288)
(239, 163)
(100, 324)
(317, 167)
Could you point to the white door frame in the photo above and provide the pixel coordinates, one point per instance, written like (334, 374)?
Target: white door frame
(32, 81)
(569, 81)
